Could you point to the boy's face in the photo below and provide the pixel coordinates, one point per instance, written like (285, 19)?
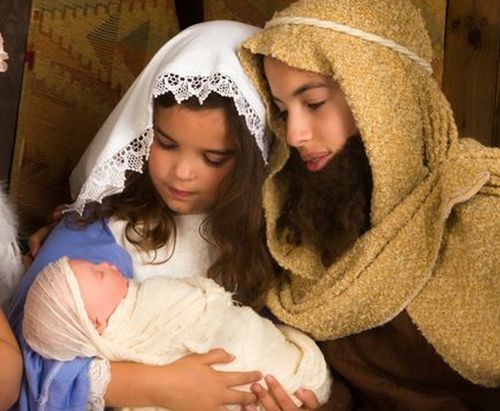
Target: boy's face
(102, 288)
(192, 153)
(318, 118)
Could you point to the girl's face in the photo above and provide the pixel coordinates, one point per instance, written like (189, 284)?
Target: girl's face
(192, 153)
(318, 119)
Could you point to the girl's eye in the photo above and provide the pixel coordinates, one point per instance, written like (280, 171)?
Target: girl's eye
(164, 142)
(314, 106)
(214, 160)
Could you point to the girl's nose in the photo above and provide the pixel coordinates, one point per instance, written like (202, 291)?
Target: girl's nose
(184, 169)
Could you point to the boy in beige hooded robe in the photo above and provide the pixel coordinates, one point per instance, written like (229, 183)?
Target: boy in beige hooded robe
(386, 228)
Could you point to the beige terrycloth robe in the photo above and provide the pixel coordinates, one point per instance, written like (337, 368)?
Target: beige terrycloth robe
(433, 248)
(164, 319)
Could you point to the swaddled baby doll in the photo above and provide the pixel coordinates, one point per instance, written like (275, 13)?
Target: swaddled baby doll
(76, 308)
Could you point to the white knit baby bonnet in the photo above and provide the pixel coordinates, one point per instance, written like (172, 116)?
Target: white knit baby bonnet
(56, 324)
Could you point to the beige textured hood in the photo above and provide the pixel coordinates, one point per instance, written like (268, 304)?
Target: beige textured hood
(414, 257)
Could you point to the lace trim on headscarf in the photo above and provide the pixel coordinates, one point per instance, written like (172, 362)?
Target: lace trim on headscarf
(184, 87)
(111, 173)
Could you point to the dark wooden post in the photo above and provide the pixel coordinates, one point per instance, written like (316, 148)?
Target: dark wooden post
(471, 67)
(14, 21)
(189, 12)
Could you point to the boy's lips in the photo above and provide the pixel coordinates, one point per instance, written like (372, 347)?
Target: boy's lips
(316, 161)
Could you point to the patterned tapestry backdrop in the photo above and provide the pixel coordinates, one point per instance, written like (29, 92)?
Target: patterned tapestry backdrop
(82, 55)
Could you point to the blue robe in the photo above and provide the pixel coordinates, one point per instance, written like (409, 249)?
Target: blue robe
(56, 385)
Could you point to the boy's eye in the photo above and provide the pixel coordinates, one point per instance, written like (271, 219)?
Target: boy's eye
(315, 106)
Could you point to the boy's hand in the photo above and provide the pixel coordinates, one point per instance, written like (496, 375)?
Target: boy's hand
(275, 398)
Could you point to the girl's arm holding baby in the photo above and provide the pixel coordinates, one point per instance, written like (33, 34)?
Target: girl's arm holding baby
(11, 365)
(187, 384)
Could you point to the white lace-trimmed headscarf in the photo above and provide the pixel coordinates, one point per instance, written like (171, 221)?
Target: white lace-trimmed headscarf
(197, 62)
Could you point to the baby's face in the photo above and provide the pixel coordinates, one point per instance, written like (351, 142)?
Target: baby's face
(102, 288)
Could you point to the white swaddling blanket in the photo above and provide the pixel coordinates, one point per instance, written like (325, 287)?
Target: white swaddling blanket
(164, 319)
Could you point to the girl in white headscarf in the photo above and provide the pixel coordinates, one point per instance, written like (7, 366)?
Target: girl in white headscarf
(192, 208)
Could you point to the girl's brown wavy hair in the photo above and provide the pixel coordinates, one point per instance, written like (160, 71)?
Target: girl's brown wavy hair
(235, 224)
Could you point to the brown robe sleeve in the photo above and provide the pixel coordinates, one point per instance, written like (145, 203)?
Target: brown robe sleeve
(393, 367)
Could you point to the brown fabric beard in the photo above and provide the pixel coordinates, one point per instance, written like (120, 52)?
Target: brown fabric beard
(329, 208)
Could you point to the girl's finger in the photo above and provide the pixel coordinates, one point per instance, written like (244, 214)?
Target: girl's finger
(36, 240)
(57, 214)
(216, 356)
(240, 397)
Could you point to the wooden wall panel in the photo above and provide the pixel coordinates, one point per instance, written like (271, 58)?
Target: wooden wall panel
(189, 12)
(85, 55)
(255, 12)
(471, 78)
(495, 139)
(14, 17)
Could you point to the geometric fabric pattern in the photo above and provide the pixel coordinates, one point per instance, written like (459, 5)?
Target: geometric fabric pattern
(82, 57)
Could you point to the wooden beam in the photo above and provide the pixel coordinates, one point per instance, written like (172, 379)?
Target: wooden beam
(189, 12)
(495, 139)
(471, 66)
(14, 21)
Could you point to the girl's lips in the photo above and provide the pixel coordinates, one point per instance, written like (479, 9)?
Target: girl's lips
(316, 163)
(179, 193)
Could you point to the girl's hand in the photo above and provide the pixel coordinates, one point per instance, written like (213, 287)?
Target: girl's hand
(36, 239)
(187, 384)
(195, 385)
(277, 399)
(11, 369)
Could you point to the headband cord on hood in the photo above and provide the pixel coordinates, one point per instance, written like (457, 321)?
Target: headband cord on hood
(342, 28)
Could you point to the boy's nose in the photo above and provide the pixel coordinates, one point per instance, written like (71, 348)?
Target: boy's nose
(298, 131)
